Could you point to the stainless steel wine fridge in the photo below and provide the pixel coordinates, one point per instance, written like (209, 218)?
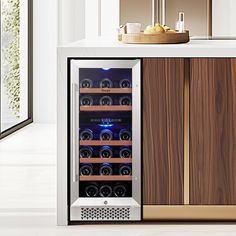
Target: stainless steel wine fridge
(104, 141)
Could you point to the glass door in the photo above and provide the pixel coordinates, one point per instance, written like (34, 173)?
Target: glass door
(16, 73)
(105, 140)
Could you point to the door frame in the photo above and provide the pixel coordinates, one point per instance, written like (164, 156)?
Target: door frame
(30, 76)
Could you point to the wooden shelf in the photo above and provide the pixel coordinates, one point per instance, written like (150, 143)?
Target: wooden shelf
(105, 143)
(106, 178)
(106, 108)
(105, 160)
(106, 90)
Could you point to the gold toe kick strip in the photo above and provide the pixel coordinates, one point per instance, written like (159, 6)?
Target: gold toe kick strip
(186, 130)
(188, 212)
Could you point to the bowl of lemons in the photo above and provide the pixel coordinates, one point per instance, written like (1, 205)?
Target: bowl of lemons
(158, 28)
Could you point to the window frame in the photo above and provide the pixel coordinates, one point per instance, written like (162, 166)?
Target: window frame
(30, 76)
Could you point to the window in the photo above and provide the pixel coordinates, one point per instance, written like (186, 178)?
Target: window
(16, 65)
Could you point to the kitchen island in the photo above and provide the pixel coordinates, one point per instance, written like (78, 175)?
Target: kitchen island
(188, 125)
(105, 48)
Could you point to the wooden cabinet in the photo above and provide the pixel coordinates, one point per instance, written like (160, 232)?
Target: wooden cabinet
(213, 131)
(163, 89)
(189, 139)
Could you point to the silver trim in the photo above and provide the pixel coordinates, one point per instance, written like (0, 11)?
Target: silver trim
(133, 202)
(73, 133)
(136, 132)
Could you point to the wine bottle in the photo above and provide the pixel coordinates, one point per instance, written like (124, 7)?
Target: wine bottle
(86, 134)
(106, 134)
(86, 152)
(106, 101)
(86, 169)
(106, 83)
(125, 152)
(119, 190)
(105, 152)
(86, 101)
(86, 83)
(105, 191)
(125, 83)
(124, 135)
(125, 101)
(105, 169)
(91, 190)
(125, 169)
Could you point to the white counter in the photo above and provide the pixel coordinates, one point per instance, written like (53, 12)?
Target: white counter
(107, 48)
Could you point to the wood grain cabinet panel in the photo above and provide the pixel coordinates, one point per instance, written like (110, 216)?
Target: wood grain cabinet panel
(213, 131)
(163, 85)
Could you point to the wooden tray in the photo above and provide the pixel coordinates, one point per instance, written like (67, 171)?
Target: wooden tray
(158, 38)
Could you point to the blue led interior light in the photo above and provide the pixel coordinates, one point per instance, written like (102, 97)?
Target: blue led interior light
(106, 125)
(106, 68)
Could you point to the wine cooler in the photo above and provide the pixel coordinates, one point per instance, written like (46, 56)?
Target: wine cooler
(105, 140)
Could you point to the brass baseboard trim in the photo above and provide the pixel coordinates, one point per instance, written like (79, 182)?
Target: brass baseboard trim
(189, 212)
(186, 129)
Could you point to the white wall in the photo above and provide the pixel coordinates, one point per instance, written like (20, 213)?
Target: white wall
(58, 22)
(224, 17)
(45, 59)
(102, 18)
(71, 20)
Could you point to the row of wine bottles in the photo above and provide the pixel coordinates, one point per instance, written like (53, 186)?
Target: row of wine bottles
(105, 134)
(93, 190)
(105, 169)
(104, 152)
(105, 101)
(105, 83)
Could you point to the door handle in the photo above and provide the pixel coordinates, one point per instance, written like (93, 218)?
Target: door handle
(74, 131)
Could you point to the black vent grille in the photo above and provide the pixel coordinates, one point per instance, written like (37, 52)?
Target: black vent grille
(108, 213)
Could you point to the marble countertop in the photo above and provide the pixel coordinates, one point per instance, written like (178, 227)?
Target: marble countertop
(101, 47)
